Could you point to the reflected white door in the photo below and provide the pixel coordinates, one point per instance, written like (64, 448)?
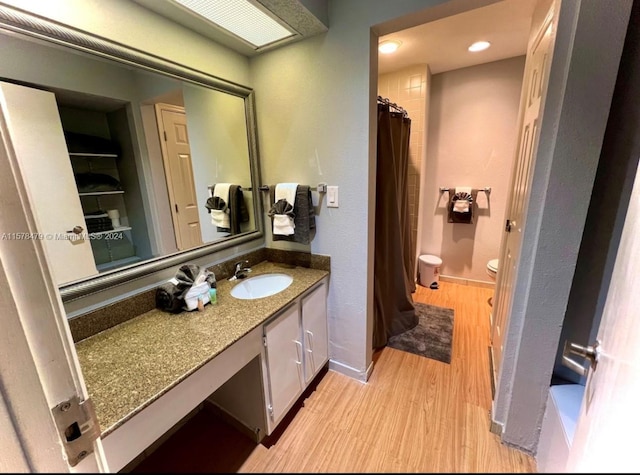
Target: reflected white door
(35, 133)
(605, 439)
(176, 154)
(534, 89)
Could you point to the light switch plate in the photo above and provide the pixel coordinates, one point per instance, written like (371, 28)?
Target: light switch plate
(332, 196)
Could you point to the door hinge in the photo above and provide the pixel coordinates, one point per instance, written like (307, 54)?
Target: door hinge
(507, 227)
(264, 341)
(270, 409)
(78, 427)
(165, 135)
(176, 205)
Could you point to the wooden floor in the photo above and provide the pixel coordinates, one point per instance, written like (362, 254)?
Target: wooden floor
(413, 415)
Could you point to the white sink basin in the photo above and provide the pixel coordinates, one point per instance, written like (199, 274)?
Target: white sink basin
(261, 286)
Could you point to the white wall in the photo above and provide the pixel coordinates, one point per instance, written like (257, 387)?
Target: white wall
(473, 116)
(315, 103)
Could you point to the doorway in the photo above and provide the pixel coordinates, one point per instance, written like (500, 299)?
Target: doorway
(544, 275)
(465, 106)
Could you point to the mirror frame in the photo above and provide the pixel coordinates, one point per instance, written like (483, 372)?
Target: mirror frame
(36, 27)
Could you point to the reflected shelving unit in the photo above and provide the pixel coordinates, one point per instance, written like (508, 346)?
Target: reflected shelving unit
(112, 246)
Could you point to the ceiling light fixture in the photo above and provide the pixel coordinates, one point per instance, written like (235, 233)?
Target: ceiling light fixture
(479, 46)
(241, 18)
(389, 46)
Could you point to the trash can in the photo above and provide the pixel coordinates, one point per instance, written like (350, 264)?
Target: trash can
(429, 269)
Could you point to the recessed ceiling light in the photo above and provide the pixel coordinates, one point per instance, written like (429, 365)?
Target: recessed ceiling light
(389, 46)
(479, 46)
(241, 18)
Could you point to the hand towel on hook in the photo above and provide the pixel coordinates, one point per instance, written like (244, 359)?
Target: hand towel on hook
(462, 199)
(283, 221)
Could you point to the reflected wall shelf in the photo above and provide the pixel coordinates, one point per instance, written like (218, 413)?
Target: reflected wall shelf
(93, 155)
(118, 263)
(111, 248)
(98, 193)
(114, 230)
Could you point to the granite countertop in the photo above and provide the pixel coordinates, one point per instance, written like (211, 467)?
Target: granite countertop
(129, 366)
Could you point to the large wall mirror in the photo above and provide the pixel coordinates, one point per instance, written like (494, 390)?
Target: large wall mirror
(158, 163)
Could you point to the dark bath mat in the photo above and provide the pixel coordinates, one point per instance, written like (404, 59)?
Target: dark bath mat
(431, 337)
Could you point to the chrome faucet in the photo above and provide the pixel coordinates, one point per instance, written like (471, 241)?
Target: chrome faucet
(240, 270)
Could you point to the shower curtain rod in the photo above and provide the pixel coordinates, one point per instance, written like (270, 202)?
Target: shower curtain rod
(393, 105)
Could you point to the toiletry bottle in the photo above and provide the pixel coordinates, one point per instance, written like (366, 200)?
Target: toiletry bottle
(213, 296)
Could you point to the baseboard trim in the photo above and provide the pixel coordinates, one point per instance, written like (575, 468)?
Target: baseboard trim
(369, 371)
(353, 373)
(492, 374)
(495, 427)
(463, 281)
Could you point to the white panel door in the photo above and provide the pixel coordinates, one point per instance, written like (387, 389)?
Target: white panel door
(314, 328)
(39, 368)
(176, 154)
(606, 438)
(36, 135)
(533, 92)
(284, 363)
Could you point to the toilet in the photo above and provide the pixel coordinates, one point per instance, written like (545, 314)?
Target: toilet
(492, 268)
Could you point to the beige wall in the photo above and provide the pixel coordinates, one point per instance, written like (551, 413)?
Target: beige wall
(408, 88)
(472, 136)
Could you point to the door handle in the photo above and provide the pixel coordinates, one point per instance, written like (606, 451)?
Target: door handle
(76, 230)
(589, 353)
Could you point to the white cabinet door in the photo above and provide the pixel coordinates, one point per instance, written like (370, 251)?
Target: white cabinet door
(314, 327)
(37, 140)
(284, 363)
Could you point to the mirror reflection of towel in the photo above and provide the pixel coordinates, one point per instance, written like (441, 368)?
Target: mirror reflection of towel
(220, 216)
(228, 216)
(238, 212)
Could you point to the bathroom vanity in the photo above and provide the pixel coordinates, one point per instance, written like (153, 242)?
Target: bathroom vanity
(146, 374)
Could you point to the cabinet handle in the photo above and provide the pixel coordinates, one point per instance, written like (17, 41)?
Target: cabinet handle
(298, 353)
(299, 361)
(310, 338)
(310, 350)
